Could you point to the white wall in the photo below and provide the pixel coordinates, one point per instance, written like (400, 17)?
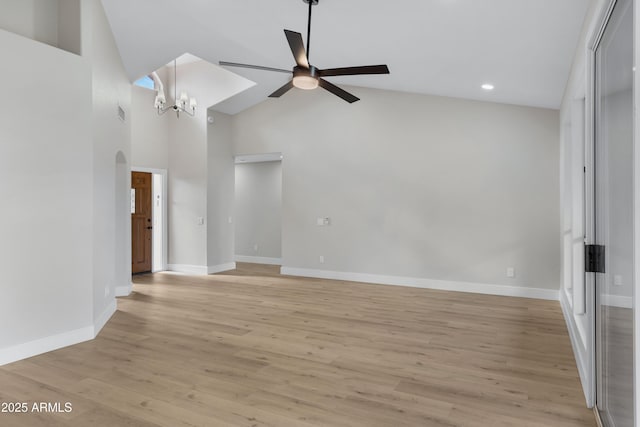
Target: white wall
(187, 190)
(416, 186)
(220, 194)
(199, 160)
(149, 132)
(59, 225)
(201, 172)
(258, 208)
(122, 215)
(150, 149)
(111, 88)
(636, 223)
(47, 193)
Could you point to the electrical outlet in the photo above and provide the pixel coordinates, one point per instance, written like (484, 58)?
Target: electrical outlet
(200, 220)
(617, 280)
(107, 291)
(321, 259)
(255, 247)
(511, 272)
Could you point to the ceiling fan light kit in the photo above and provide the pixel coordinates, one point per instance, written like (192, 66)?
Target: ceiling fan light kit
(306, 79)
(305, 75)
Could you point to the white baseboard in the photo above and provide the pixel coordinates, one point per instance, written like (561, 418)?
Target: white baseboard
(44, 345)
(54, 342)
(102, 320)
(478, 288)
(201, 270)
(188, 269)
(617, 301)
(124, 291)
(259, 260)
(212, 269)
(579, 351)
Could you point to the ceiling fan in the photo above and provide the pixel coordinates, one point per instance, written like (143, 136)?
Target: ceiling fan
(305, 75)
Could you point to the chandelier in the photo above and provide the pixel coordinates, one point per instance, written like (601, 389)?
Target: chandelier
(180, 105)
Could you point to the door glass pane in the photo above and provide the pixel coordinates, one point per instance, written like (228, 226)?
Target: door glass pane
(614, 214)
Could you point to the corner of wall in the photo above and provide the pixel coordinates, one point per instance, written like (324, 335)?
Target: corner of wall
(220, 194)
(213, 269)
(104, 317)
(57, 341)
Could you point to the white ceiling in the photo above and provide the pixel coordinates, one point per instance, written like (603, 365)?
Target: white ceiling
(208, 83)
(441, 47)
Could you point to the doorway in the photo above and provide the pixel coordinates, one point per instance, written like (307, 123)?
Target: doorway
(141, 225)
(258, 208)
(611, 257)
(149, 245)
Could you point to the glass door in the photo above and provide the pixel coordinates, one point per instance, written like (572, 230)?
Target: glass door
(614, 217)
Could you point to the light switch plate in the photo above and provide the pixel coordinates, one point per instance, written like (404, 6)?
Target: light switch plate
(322, 222)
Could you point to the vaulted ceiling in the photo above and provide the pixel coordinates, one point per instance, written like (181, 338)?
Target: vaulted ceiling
(441, 47)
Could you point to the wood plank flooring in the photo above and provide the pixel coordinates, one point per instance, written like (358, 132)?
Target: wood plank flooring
(253, 348)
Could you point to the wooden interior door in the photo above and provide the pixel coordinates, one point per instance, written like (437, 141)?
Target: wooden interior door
(141, 226)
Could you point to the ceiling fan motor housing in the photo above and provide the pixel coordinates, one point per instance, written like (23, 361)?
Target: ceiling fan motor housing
(313, 2)
(307, 72)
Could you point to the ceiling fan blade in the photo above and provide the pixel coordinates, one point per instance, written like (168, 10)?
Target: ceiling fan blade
(254, 67)
(297, 48)
(352, 71)
(284, 89)
(338, 92)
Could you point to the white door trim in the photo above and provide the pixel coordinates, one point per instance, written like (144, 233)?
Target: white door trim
(165, 222)
(636, 214)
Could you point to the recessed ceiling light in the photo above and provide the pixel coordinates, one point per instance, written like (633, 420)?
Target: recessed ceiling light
(487, 86)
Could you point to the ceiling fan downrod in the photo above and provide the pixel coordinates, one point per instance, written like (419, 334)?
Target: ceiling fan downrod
(311, 3)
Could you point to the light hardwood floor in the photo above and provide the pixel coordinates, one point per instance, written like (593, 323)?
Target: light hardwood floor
(253, 348)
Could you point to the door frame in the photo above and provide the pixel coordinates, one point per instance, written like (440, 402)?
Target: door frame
(165, 223)
(589, 191)
(595, 37)
(636, 212)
